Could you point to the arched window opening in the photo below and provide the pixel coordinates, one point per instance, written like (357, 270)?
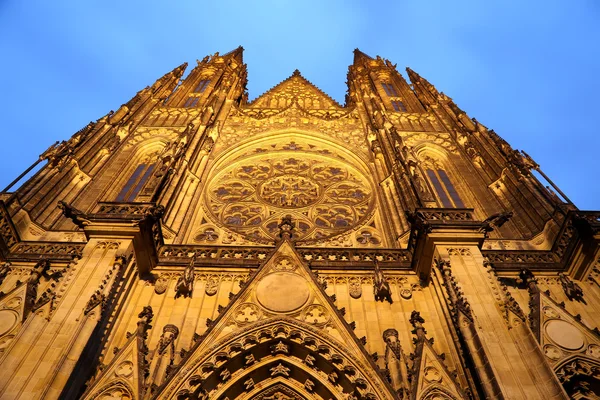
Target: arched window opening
(202, 85)
(444, 188)
(191, 102)
(398, 106)
(135, 183)
(390, 90)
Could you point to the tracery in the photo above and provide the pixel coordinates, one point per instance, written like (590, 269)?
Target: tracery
(323, 192)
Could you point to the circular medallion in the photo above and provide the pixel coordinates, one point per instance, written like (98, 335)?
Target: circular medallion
(355, 288)
(282, 292)
(161, 285)
(124, 369)
(552, 352)
(8, 319)
(432, 374)
(565, 335)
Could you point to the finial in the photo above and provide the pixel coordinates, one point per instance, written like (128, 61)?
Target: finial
(286, 226)
(296, 73)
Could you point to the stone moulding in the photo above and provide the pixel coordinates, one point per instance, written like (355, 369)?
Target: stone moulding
(251, 256)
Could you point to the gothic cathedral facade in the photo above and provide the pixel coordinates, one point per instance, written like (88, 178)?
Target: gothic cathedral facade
(194, 244)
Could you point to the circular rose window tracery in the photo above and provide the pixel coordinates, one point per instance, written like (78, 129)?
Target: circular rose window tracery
(325, 196)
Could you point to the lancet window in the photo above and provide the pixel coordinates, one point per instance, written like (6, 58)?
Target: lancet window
(390, 90)
(191, 102)
(136, 182)
(445, 190)
(398, 106)
(202, 85)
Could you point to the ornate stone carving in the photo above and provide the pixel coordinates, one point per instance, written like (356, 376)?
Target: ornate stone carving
(185, 283)
(395, 362)
(355, 288)
(5, 269)
(381, 287)
(571, 289)
(167, 339)
(161, 285)
(327, 197)
(280, 369)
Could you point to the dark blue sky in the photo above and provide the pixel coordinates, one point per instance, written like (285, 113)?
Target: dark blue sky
(527, 69)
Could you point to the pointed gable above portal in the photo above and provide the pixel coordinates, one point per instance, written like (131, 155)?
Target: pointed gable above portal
(280, 329)
(295, 90)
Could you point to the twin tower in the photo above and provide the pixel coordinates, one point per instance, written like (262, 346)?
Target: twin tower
(194, 244)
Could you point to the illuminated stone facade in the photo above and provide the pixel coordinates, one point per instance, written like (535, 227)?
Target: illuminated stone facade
(197, 245)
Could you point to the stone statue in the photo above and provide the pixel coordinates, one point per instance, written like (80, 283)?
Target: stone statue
(185, 283)
(395, 363)
(381, 287)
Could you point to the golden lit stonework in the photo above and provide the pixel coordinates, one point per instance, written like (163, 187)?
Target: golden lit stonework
(194, 244)
(324, 193)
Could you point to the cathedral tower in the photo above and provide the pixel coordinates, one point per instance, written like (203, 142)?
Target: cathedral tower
(194, 244)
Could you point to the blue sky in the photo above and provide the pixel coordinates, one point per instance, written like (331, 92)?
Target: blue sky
(526, 69)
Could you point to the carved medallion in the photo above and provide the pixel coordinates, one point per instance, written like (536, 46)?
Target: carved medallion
(593, 350)
(124, 369)
(212, 286)
(552, 352)
(405, 293)
(246, 313)
(432, 374)
(550, 312)
(355, 288)
(316, 314)
(282, 292)
(161, 285)
(565, 334)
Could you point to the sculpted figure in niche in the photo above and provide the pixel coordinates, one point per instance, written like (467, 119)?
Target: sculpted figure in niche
(381, 287)
(185, 283)
(395, 362)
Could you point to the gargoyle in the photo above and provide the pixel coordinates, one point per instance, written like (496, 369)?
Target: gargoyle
(495, 220)
(77, 216)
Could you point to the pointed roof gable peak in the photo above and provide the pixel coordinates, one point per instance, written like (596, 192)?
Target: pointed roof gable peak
(359, 55)
(296, 78)
(238, 53)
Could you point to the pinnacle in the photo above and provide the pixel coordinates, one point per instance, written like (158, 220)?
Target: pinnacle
(236, 53)
(358, 55)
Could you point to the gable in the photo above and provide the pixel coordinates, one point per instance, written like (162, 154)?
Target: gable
(281, 325)
(295, 90)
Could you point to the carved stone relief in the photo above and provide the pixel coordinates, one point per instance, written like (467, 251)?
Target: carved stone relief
(325, 197)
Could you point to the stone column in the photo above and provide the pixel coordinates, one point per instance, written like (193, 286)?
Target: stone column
(509, 364)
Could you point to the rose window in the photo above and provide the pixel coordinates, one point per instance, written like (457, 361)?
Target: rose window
(324, 196)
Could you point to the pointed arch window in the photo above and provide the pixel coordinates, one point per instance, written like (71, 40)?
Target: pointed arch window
(398, 106)
(202, 85)
(191, 102)
(390, 90)
(135, 183)
(444, 188)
